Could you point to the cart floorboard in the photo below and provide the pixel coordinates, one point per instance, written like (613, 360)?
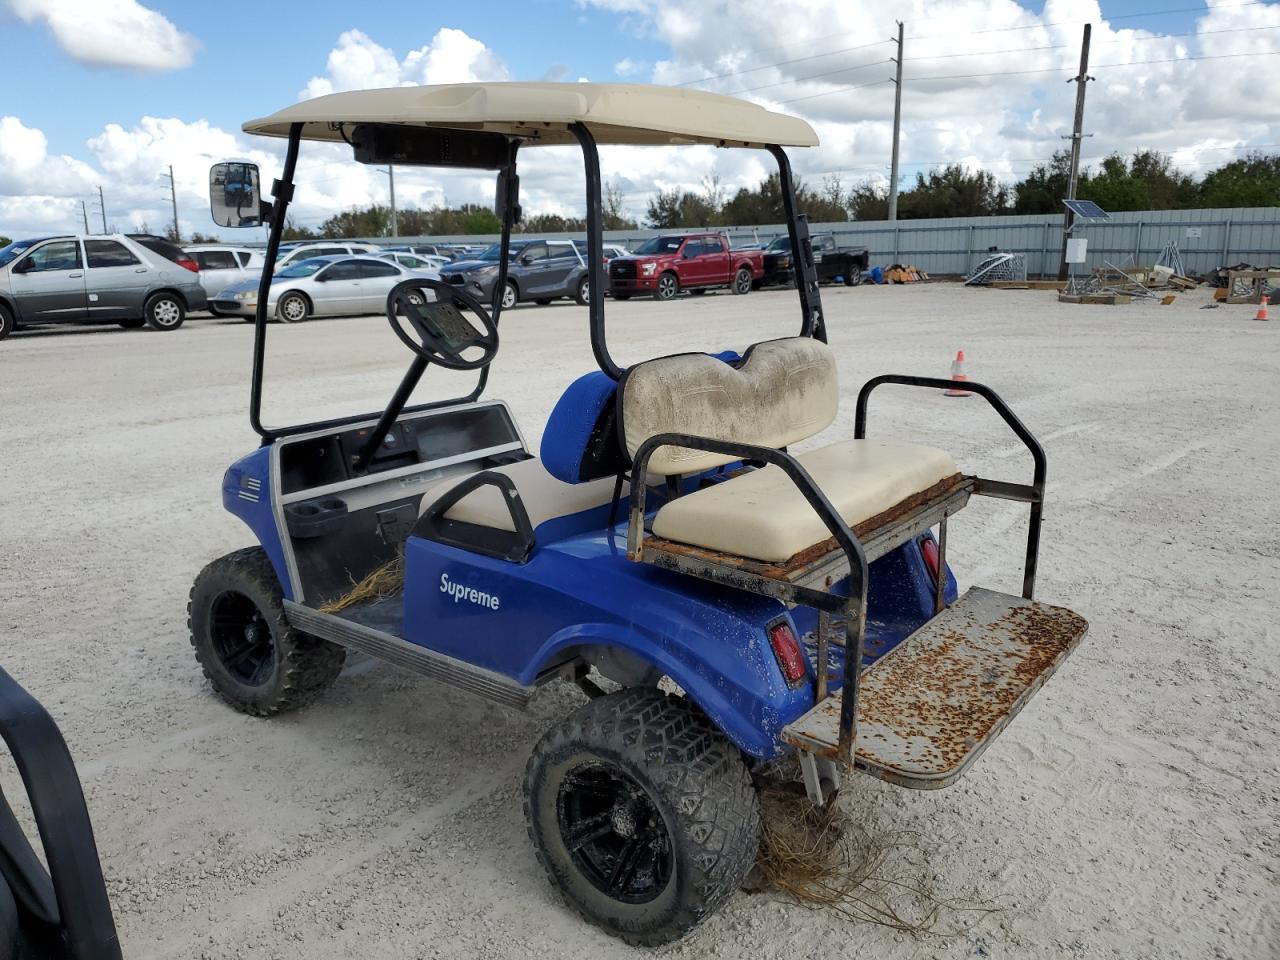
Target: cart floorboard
(929, 707)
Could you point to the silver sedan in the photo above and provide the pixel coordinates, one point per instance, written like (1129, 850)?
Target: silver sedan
(321, 286)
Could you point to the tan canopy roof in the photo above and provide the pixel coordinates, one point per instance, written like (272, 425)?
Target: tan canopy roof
(541, 112)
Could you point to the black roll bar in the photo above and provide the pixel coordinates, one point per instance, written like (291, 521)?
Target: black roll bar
(1032, 494)
(595, 249)
(856, 604)
(812, 323)
(515, 545)
(57, 803)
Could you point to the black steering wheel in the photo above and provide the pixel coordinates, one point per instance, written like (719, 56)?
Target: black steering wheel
(445, 333)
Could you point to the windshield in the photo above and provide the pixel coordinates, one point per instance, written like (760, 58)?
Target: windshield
(14, 250)
(659, 245)
(779, 245)
(303, 268)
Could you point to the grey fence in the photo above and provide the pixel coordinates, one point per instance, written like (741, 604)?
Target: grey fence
(1207, 239)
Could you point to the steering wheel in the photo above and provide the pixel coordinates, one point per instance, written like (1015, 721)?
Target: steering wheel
(445, 333)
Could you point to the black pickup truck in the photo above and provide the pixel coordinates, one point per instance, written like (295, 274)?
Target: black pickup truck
(831, 261)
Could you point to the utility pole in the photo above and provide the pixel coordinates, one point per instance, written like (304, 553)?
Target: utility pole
(102, 208)
(1077, 135)
(395, 227)
(173, 197)
(84, 212)
(897, 127)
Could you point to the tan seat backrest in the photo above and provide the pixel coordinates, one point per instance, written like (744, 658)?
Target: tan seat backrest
(781, 393)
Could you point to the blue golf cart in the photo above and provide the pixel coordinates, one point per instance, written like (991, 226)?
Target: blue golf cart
(723, 601)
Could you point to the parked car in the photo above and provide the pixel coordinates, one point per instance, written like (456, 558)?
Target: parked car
(446, 252)
(114, 278)
(323, 248)
(830, 260)
(414, 261)
(539, 270)
(221, 266)
(663, 266)
(339, 285)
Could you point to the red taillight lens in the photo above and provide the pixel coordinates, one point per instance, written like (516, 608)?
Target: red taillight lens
(190, 265)
(787, 649)
(929, 548)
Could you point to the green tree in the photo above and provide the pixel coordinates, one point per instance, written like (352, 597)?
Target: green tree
(5, 241)
(614, 216)
(1252, 181)
(1148, 181)
(869, 200)
(1045, 187)
(294, 232)
(671, 208)
(953, 191)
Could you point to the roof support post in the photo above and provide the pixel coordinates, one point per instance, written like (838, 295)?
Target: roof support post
(595, 249)
(510, 205)
(282, 192)
(811, 322)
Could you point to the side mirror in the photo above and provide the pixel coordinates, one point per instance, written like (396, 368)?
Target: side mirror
(321, 277)
(235, 199)
(526, 260)
(686, 253)
(23, 266)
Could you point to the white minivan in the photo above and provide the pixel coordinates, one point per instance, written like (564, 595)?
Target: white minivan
(221, 266)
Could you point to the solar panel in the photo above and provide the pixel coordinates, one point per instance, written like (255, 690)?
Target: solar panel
(1087, 209)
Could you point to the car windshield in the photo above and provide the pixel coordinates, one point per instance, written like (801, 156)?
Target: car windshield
(14, 250)
(779, 245)
(493, 252)
(660, 245)
(303, 268)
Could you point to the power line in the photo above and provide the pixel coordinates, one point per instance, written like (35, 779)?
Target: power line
(780, 63)
(831, 73)
(1068, 23)
(1100, 66)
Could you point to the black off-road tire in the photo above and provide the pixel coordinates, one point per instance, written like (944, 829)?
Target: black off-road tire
(698, 793)
(295, 667)
(164, 311)
(6, 321)
(668, 287)
(136, 323)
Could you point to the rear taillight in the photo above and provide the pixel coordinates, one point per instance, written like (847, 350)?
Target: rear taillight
(787, 649)
(190, 265)
(929, 549)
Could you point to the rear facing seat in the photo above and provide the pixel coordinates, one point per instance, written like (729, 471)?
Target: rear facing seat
(782, 392)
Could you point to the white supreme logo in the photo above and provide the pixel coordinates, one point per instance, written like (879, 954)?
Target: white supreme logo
(470, 594)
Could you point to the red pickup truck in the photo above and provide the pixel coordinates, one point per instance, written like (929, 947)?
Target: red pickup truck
(663, 266)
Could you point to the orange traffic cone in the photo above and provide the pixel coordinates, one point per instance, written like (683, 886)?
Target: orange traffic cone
(1262, 308)
(958, 376)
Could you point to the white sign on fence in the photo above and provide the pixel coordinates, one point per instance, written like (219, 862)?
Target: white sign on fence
(1077, 249)
(1194, 233)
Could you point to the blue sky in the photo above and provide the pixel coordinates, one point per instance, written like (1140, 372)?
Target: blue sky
(84, 107)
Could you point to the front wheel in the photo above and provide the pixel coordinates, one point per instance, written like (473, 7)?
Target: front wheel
(293, 308)
(742, 281)
(6, 321)
(164, 312)
(510, 296)
(668, 287)
(583, 294)
(853, 278)
(642, 813)
(254, 659)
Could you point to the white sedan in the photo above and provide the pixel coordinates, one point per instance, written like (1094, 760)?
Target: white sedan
(321, 286)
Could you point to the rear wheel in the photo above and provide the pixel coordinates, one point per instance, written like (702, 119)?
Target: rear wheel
(136, 323)
(251, 655)
(642, 813)
(742, 281)
(583, 294)
(853, 278)
(293, 308)
(6, 321)
(165, 312)
(667, 288)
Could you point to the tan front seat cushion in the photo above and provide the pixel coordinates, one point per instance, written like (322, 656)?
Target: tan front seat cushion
(545, 497)
(762, 514)
(784, 391)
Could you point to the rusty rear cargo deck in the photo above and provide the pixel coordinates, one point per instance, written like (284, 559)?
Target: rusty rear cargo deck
(929, 707)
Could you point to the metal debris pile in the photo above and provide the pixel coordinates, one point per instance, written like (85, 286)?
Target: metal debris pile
(998, 266)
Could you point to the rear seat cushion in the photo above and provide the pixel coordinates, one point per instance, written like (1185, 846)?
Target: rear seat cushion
(782, 392)
(545, 497)
(762, 515)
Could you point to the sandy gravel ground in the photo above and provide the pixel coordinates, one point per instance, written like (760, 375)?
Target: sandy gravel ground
(1131, 811)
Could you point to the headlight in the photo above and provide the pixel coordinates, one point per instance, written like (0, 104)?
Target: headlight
(247, 295)
(648, 269)
(486, 271)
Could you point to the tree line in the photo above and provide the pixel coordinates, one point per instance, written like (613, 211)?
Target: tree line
(1147, 180)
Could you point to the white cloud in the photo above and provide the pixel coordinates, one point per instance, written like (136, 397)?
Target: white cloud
(111, 33)
(626, 67)
(359, 63)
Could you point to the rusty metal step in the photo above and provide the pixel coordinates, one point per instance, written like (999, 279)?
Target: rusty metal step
(929, 707)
